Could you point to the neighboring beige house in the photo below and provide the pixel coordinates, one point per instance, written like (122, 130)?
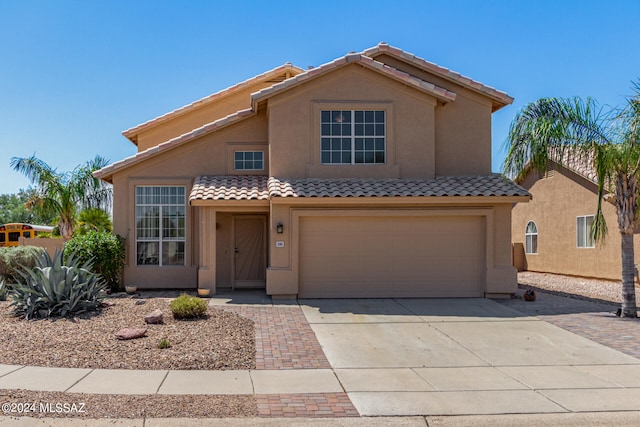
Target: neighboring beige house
(369, 176)
(552, 232)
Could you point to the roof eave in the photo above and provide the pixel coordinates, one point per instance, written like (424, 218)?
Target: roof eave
(132, 133)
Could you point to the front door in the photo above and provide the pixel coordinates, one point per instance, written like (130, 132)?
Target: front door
(250, 255)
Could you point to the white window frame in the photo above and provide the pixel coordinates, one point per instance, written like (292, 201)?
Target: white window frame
(352, 136)
(529, 237)
(243, 160)
(582, 224)
(161, 240)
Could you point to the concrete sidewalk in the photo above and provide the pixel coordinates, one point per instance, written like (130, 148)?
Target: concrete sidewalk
(603, 419)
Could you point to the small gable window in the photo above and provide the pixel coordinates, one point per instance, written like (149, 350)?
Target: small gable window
(352, 137)
(531, 238)
(248, 160)
(584, 236)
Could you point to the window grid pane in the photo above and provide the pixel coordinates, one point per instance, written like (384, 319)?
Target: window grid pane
(531, 238)
(248, 160)
(160, 225)
(347, 141)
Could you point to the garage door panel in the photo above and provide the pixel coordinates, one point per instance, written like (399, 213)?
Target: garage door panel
(387, 256)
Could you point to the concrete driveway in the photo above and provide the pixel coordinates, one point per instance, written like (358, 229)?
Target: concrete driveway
(466, 356)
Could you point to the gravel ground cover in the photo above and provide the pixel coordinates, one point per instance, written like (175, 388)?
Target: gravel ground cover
(222, 340)
(575, 287)
(76, 405)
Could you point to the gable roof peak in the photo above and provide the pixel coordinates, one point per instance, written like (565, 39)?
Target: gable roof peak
(499, 98)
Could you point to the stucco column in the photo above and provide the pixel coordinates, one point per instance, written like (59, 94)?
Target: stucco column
(207, 244)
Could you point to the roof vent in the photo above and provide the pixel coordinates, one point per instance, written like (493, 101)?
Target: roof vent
(309, 67)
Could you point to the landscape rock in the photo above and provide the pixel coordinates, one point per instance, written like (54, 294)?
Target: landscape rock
(155, 317)
(130, 333)
(108, 303)
(140, 301)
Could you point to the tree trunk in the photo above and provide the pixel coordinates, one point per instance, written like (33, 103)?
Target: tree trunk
(629, 308)
(66, 229)
(626, 206)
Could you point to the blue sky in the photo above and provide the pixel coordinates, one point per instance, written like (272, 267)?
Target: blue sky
(75, 74)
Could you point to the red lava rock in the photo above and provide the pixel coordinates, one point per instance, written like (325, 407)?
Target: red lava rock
(130, 333)
(155, 317)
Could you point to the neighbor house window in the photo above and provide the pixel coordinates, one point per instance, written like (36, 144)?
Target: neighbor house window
(352, 136)
(160, 225)
(248, 160)
(531, 238)
(584, 236)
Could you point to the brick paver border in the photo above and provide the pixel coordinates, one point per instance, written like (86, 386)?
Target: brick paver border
(284, 339)
(305, 405)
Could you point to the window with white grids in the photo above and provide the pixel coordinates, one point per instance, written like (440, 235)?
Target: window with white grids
(352, 137)
(248, 160)
(160, 225)
(531, 238)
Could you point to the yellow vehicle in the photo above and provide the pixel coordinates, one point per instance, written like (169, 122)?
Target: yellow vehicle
(11, 233)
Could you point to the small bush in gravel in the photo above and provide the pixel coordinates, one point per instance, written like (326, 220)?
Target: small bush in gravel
(104, 250)
(57, 288)
(188, 307)
(12, 259)
(164, 343)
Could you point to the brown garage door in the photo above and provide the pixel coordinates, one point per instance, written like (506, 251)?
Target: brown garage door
(392, 257)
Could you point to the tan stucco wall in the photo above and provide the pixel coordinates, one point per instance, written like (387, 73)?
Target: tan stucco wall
(462, 126)
(294, 130)
(556, 202)
(208, 155)
(51, 245)
(198, 116)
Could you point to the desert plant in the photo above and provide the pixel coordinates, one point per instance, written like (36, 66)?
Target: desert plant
(188, 307)
(3, 290)
(164, 343)
(15, 258)
(62, 194)
(104, 250)
(57, 287)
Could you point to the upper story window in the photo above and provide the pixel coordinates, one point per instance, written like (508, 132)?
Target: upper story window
(531, 238)
(160, 225)
(584, 236)
(352, 136)
(248, 160)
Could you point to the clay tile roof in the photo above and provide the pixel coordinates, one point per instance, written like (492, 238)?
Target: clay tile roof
(440, 93)
(449, 186)
(132, 132)
(230, 188)
(579, 163)
(446, 73)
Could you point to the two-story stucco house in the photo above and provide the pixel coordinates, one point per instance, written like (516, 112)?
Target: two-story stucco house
(368, 176)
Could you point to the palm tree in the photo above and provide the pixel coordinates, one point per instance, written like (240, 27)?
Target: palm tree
(65, 193)
(93, 219)
(563, 129)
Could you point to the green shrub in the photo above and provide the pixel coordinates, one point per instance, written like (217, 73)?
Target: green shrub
(57, 288)
(104, 250)
(164, 343)
(188, 307)
(13, 259)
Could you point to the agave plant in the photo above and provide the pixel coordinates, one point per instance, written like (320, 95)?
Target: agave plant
(57, 287)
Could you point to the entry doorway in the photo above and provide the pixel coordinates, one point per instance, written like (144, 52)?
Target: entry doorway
(249, 266)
